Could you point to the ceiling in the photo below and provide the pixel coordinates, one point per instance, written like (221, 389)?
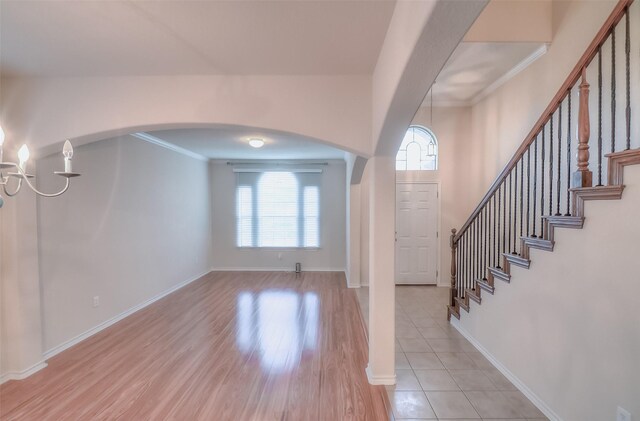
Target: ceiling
(176, 37)
(233, 143)
(477, 67)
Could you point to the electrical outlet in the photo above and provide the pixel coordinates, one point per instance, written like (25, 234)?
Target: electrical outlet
(96, 301)
(623, 415)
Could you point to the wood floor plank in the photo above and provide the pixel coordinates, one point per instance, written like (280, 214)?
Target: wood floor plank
(230, 346)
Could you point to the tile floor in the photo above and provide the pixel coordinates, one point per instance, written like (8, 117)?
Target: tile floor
(440, 375)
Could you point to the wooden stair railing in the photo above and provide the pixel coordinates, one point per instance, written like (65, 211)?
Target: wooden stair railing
(542, 188)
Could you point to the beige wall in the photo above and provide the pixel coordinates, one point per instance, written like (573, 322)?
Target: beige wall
(45, 111)
(135, 225)
(501, 121)
(513, 21)
(569, 328)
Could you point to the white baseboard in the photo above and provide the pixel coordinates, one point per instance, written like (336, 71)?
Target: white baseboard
(66, 345)
(380, 380)
(19, 375)
(539, 403)
(273, 269)
(352, 283)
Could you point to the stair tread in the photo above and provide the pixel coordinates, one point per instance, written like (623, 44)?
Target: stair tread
(461, 302)
(454, 311)
(565, 221)
(500, 274)
(539, 243)
(473, 294)
(485, 285)
(517, 260)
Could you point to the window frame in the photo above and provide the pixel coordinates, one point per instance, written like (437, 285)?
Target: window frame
(254, 189)
(432, 137)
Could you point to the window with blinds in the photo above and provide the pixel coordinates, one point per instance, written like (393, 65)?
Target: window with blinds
(278, 208)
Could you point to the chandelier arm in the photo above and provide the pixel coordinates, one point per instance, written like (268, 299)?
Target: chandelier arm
(26, 179)
(66, 186)
(8, 193)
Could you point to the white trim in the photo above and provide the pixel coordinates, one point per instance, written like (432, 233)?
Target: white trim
(66, 345)
(539, 403)
(159, 142)
(20, 375)
(539, 52)
(273, 269)
(278, 169)
(351, 284)
(379, 380)
(451, 103)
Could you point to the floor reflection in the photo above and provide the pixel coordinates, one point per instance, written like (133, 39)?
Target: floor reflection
(279, 325)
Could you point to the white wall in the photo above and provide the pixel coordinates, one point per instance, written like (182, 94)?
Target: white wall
(136, 224)
(332, 252)
(569, 327)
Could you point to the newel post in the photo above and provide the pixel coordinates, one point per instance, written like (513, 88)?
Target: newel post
(454, 268)
(583, 177)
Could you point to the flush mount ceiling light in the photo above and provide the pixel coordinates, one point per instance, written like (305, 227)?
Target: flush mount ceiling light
(256, 143)
(20, 174)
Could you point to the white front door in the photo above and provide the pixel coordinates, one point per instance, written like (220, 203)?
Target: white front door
(416, 233)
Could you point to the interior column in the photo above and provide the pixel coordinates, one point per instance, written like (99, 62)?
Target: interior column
(381, 368)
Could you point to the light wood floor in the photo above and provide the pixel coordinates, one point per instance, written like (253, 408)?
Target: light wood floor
(230, 346)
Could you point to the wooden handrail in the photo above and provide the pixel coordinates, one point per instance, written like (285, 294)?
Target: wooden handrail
(602, 35)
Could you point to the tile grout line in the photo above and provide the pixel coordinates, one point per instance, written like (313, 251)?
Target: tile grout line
(407, 319)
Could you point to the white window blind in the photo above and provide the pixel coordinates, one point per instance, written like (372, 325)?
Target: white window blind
(278, 209)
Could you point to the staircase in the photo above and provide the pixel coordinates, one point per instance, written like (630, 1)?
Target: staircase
(544, 187)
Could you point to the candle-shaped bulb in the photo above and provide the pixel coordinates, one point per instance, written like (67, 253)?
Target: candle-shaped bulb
(23, 156)
(67, 150)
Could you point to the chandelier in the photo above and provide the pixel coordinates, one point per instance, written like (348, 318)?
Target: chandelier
(17, 174)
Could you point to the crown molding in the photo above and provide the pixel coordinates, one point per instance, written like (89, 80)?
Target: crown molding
(526, 62)
(159, 142)
(539, 52)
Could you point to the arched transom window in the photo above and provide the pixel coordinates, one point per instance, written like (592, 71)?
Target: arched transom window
(418, 152)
